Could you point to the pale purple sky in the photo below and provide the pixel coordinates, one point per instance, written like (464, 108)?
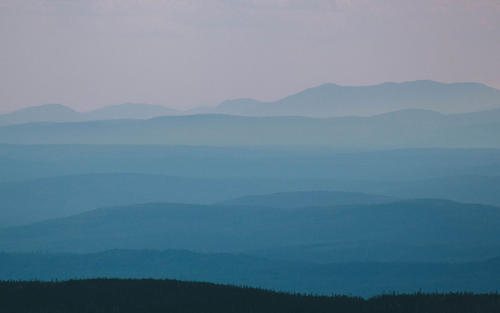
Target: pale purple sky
(186, 53)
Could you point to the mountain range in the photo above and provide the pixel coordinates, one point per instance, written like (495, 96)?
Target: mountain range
(335, 100)
(61, 113)
(360, 189)
(297, 164)
(39, 182)
(402, 129)
(327, 100)
(41, 199)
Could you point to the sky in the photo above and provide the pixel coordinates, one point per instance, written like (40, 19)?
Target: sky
(188, 53)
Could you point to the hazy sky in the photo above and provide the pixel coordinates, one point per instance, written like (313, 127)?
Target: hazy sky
(185, 53)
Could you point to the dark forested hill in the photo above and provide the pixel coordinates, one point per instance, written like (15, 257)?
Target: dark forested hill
(357, 278)
(138, 296)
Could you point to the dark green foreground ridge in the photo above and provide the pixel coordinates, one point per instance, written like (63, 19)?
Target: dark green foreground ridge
(150, 296)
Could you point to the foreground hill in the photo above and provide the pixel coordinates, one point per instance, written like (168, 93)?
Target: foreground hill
(359, 279)
(335, 100)
(403, 129)
(416, 230)
(136, 296)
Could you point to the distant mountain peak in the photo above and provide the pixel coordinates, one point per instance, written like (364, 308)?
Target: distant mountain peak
(51, 112)
(329, 99)
(47, 106)
(54, 112)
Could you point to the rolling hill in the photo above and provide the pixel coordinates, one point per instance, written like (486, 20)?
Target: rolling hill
(37, 200)
(24, 162)
(412, 231)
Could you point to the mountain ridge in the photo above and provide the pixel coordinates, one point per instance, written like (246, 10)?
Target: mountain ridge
(416, 230)
(337, 100)
(64, 114)
(401, 129)
(326, 100)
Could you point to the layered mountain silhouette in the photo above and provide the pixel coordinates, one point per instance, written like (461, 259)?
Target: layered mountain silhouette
(84, 177)
(300, 164)
(41, 199)
(327, 100)
(403, 129)
(335, 189)
(411, 231)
